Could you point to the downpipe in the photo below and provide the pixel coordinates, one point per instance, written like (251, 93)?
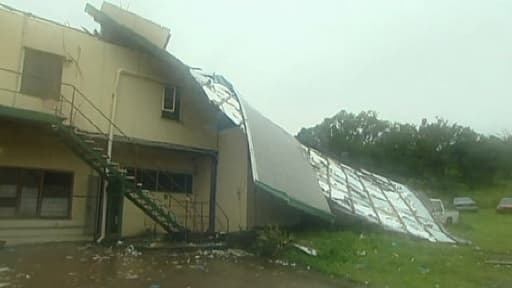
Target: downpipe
(110, 141)
(113, 109)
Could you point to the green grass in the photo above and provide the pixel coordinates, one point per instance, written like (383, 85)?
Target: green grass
(393, 260)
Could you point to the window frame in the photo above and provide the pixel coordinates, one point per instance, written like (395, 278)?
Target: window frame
(175, 112)
(25, 76)
(40, 195)
(189, 179)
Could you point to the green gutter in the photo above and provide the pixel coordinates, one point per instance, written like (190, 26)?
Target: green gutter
(29, 115)
(295, 203)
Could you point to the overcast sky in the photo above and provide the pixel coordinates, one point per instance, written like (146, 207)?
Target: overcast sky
(301, 61)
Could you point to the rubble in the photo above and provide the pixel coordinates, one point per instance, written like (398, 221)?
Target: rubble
(131, 251)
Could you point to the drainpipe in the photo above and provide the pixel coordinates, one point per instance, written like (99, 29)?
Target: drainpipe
(113, 109)
(213, 195)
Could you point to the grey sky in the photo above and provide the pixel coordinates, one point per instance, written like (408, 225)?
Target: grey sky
(301, 61)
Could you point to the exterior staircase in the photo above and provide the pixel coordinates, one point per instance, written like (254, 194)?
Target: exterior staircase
(85, 145)
(90, 145)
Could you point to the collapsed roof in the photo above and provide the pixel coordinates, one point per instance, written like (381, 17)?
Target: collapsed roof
(303, 177)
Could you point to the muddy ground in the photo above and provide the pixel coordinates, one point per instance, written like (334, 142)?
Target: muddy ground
(85, 265)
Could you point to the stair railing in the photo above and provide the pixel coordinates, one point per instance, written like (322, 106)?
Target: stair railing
(68, 108)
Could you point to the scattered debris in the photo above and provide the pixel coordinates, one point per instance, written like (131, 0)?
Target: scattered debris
(198, 267)
(238, 253)
(85, 247)
(131, 251)
(100, 258)
(23, 275)
(4, 269)
(423, 270)
(309, 251)
(498, 262)
(131, 276)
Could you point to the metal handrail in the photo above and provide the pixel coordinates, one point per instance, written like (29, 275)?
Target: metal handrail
(224, 214)
(74, 109)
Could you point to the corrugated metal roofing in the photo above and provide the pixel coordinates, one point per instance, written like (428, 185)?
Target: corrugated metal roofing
(280, 166)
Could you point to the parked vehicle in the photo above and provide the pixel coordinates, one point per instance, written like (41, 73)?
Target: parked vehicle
(505, 206)
(465, 204)
(441, 214)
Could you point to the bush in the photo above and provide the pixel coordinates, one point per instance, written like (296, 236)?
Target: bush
(271, 240)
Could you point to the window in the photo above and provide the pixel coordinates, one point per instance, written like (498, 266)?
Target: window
(42, 74)
(174, 182)
(147, 178)
(33, 193)
(171, 103)
(162, 181)
(56, 194)
(8, 192)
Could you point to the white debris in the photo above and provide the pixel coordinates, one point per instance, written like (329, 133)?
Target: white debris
(131, 276)
(307, 250)
(100, 258)
(238, 253)
(131, 251)
(4, 269)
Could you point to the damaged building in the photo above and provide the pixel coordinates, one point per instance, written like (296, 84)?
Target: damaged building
(107, 135)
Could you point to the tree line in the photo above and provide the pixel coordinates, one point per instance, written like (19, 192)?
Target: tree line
(434, 154)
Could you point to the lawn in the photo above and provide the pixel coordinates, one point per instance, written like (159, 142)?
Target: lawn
(392, 260)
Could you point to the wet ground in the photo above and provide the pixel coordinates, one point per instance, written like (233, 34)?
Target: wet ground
(78, 265)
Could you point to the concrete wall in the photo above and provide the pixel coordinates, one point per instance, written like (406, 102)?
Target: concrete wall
(92, 65)
(135, 222)
(246, 206)
(265, 209)
(232, 179)
(29, 146)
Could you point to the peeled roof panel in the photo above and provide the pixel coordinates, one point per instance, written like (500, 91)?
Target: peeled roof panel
(375, 198)
(220, 95)
(280, 164)
(306, 178)
(153, 32)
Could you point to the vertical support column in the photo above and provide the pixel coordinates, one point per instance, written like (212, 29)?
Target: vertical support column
(115, 197)
(213, 194)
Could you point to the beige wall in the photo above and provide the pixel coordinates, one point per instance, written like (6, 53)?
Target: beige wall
(27, 146)
(92, 65)
(265, 209)
(232, 179)
(135, 222)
